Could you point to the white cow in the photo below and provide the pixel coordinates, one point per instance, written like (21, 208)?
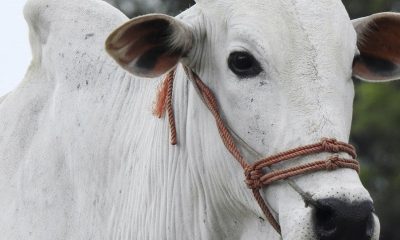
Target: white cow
(82, 157)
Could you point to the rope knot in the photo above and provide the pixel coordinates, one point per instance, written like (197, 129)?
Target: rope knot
(330, 145)
(332, 163)
(253, 177)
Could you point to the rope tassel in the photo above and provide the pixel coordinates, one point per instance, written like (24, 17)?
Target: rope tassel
(164, 103)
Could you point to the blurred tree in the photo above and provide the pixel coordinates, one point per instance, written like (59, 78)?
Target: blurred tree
(361, 8)
(138, 7)
(376, 125)
(376, 132)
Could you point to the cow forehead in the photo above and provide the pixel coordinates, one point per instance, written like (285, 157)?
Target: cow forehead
(284, 17)
(289, 29)
(313, 7)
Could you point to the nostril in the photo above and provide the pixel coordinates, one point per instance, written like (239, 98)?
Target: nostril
(336, 219)
(370, 226)
(326, 221)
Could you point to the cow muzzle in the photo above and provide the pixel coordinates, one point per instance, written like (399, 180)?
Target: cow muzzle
(336, 219)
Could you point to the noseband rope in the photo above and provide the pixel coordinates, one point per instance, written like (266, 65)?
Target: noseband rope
(255, 175)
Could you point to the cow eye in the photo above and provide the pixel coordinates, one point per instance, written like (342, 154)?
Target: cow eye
(244, 65)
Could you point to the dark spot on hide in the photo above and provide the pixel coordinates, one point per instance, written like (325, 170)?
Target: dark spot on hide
(89, 35)
(79, 86)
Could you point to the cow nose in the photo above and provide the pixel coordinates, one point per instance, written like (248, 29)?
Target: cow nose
(340, 220)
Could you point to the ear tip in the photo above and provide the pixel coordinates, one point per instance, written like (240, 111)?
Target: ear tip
(385, 15)
(376, 19)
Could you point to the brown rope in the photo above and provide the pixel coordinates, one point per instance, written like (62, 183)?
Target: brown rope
(226, 137)
(255, 178)
(265, 209)
(161, 100)
(164, 103)
(170, 109)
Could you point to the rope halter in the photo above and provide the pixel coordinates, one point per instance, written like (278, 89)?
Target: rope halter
(256, 177)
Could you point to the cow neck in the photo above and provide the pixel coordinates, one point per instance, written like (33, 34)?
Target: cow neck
(256, 176)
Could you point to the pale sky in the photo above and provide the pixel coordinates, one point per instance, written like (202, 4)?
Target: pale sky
(14, 45)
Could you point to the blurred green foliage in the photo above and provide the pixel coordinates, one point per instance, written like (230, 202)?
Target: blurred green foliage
(376, 132)
(361, 8)
(376, 123)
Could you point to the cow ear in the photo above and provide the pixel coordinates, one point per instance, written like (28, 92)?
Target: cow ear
(379, 45)
(150, 45)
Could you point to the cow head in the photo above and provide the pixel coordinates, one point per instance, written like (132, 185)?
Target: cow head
(283, 74)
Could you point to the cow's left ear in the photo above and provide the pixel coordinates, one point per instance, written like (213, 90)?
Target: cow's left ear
(379, 45)
(150, 45)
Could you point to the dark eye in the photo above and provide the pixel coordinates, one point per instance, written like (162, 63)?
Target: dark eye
(244, 65)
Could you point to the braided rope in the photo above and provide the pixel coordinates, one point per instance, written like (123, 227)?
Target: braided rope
(170, 109)
(164, 104)
(255, 178)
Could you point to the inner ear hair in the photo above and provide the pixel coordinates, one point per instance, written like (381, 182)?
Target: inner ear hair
(377, 36)
(150, 45)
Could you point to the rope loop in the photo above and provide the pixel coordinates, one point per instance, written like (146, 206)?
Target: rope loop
(332, 163)
(330, 145)
(253, 177)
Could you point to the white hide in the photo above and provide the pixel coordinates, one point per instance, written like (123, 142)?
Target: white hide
(306, 92)
(82, 157)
